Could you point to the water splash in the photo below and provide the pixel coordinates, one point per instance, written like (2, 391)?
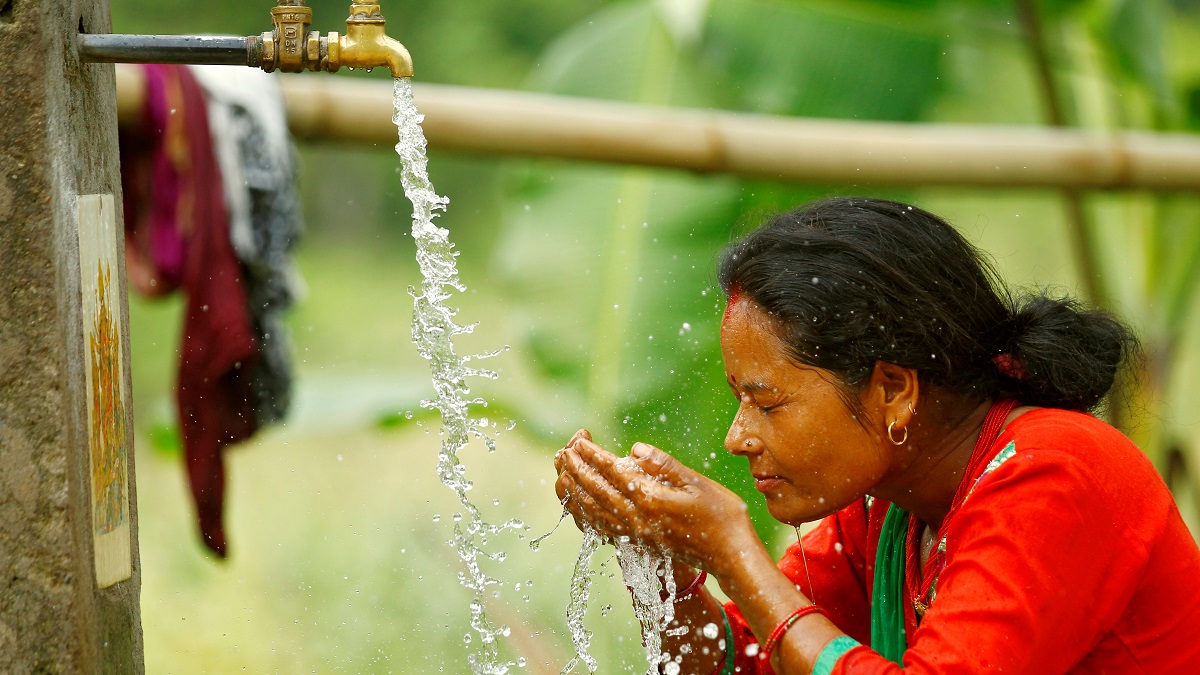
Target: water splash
(537, 542)
(434, 329)
(646, 571)
(581, 584)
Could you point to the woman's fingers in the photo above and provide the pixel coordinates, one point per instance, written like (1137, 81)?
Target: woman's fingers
(636, 496)
(585, 510)
(662, 466)
(591, 473)
(625, 476)
(576, 497)
(582, 433)
(599, 500)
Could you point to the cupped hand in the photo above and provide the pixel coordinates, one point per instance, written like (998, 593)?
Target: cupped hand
(652, 497)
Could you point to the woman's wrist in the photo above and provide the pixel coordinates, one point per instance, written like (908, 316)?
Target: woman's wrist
(693, 587)
(741, 555)
(688, 582)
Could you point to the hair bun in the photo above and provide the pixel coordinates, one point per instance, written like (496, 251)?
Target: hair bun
(1061, 354)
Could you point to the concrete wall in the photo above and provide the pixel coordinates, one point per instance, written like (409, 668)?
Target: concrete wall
(58, 139)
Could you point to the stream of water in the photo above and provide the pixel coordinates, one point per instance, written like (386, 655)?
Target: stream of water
(434, 328)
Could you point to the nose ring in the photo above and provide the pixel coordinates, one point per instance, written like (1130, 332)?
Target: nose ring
(748, 442)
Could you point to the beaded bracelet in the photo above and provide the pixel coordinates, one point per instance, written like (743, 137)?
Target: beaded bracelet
(777, 634)
(692, 587)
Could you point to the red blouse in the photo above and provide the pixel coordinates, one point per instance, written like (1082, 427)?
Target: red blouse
(1068, 557)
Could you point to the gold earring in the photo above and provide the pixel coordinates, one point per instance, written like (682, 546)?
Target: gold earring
(892, 437)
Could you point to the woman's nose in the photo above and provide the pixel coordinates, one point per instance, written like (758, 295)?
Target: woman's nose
(740, 440)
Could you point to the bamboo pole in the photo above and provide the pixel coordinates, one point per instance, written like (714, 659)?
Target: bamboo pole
(760, 146)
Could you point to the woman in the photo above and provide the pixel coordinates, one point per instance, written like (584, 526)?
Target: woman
(975, 517)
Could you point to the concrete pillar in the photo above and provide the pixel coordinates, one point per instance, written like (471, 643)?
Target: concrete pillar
(69, 578)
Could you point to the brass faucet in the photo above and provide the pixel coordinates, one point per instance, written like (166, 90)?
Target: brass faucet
(292, 48)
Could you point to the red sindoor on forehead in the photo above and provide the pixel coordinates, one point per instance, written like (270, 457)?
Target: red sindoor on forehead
(735, 293)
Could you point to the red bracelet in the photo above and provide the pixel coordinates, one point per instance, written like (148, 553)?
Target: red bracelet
(777, 634)
(692, 587)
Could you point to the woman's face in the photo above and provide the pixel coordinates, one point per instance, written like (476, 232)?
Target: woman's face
(808, 454)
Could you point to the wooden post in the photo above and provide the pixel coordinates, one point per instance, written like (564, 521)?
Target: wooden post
(69, 578)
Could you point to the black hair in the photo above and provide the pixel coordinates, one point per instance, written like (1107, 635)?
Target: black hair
(852, 281)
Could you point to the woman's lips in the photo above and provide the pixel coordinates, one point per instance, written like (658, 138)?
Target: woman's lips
(767, 483)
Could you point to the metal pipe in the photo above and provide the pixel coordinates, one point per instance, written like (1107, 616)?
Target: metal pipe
(290, 46)
(196, 49)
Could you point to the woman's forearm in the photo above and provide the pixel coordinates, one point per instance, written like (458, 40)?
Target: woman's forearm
(766, 598)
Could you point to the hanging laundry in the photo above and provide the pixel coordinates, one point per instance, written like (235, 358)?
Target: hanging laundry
(189, 227)
(257, 158)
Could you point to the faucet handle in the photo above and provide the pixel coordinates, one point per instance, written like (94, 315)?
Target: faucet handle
(287, 47)
(363, 11)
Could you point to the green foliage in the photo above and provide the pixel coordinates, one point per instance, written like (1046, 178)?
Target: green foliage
(795, 60)
(1136, 32)
(1178, 270)
(166, 439)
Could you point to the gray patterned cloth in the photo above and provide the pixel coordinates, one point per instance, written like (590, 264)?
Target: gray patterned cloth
(259, 171)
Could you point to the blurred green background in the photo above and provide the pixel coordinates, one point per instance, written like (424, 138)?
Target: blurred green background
(600, 279)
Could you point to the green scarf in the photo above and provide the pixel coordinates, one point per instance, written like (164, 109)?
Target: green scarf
(887, 606)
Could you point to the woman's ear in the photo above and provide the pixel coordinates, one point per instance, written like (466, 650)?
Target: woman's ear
(894, 392)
